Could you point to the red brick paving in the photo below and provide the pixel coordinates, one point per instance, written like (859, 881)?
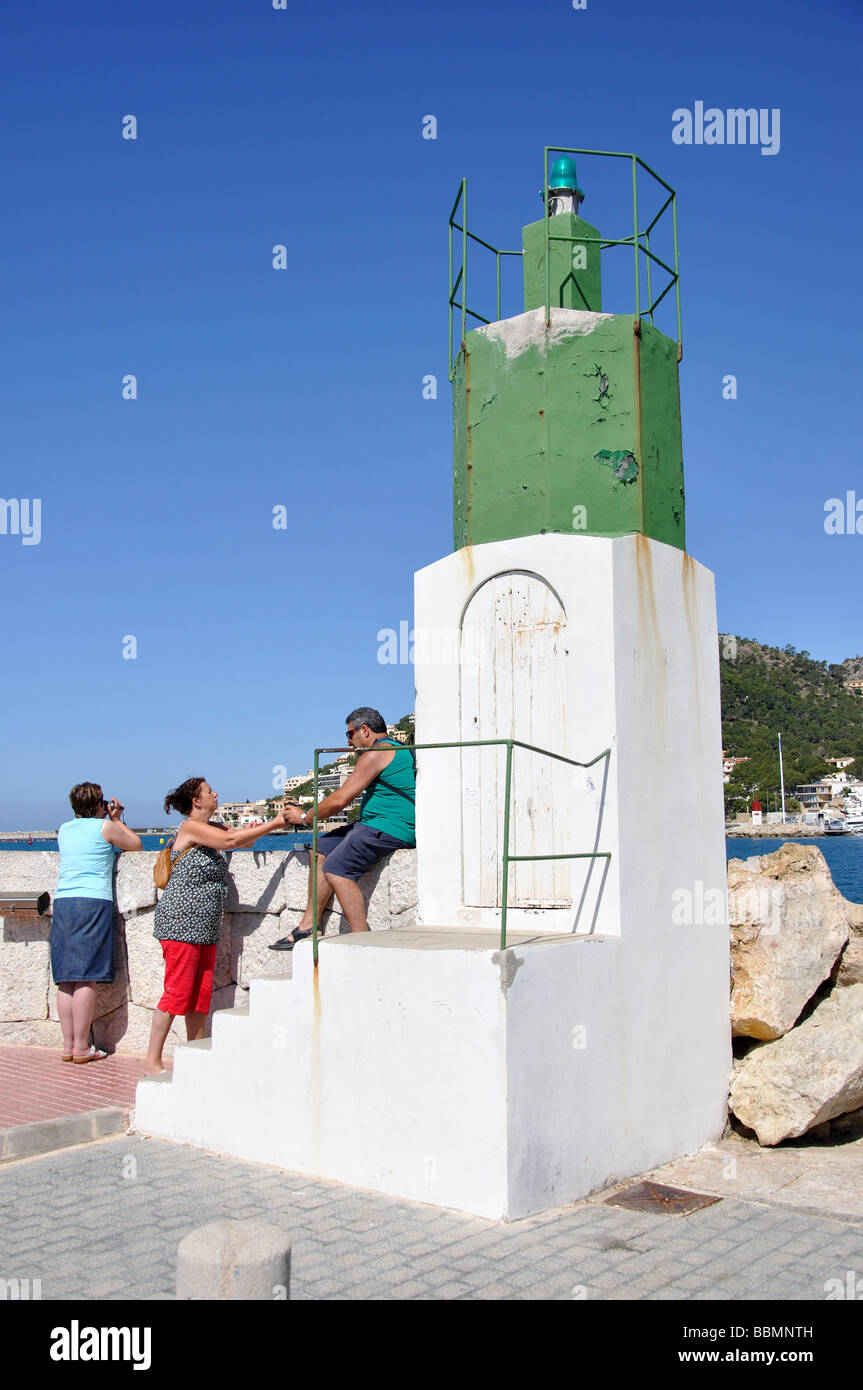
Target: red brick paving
(36, 1085)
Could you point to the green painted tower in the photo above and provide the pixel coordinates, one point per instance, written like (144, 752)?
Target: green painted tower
(567, 418)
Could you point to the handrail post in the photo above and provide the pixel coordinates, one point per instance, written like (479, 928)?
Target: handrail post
(649, 294)
(464, 263)
(547, 245)
(677, 276)
(636, 237)
(505, 876)
(449, 358)
(313, 863)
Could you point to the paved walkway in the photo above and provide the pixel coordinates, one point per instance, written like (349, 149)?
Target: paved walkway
(818, 1177)
(104, 1221)
(35, 1085)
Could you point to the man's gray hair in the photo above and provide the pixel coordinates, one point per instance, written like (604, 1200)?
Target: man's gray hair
(364, 715)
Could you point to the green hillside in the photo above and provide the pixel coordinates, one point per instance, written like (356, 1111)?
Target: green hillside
(768, 690)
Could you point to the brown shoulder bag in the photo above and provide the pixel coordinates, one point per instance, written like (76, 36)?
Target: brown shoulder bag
(163, 866)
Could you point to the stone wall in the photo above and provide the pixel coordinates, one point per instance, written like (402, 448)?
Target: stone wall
(266, 897)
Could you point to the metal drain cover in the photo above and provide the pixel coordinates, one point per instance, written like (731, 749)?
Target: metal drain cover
(653, 1196)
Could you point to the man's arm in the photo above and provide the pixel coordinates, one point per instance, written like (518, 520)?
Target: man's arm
(369, 766)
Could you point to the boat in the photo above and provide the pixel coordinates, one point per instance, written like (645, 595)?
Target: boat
(836, 827)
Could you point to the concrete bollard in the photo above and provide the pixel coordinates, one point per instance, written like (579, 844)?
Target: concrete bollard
(236, 1260)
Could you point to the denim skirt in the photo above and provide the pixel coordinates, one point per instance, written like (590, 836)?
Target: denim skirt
(82, 941)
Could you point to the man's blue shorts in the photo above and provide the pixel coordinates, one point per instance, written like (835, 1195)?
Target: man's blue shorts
(353, 849)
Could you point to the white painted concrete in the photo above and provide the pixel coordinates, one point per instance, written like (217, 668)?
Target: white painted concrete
(428, 1064)
(529, 329)
(433, 1067)
(387, 1072)
(570, 567)
(640, 674)
(516, 627)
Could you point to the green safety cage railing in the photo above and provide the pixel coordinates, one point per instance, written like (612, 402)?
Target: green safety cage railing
(639, 241)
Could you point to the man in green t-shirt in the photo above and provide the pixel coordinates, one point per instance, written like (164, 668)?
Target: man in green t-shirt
(386, 775)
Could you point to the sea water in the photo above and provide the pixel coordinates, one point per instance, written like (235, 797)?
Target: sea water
(844, 855)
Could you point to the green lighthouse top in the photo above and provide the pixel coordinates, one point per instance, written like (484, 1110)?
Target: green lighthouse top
(654, 223)
(567, 410)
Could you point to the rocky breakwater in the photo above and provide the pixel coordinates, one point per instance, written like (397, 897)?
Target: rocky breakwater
(797, 994)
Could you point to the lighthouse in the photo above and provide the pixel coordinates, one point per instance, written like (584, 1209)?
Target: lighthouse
(589, 646)
(548, 1024)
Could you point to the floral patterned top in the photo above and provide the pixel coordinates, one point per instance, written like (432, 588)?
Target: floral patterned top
(191, 907)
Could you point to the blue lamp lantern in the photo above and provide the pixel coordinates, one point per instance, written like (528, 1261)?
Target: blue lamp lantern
(564, 194)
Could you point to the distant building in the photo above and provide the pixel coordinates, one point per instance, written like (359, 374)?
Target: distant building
(815, 795)
(298, 780)
(240, 813)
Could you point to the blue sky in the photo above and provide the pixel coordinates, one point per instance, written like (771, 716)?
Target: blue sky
(303, 387)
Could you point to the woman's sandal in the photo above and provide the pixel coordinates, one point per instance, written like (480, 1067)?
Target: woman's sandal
(67, 1057)
(287, 943)
(94, 1055)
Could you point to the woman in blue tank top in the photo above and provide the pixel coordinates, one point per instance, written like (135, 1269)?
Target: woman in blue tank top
(82, 924)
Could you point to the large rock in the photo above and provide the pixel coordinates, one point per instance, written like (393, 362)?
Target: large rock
(26, 971)
(256, 881)
(36, 869)
(135, 888)
(810, 1075)
(222, 976)
(35, 1032)
(146, 961)
(788, 924)
(296, 879)
(851, 963)
(251, 935)
(850, 970)
(127, 1029)
(403, 881)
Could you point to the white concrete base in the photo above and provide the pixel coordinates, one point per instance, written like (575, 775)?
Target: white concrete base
(573, 644)
(429, 1065)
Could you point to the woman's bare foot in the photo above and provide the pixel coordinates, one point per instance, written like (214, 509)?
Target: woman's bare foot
(152, 1068)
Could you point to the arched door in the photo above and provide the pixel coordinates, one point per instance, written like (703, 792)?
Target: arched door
(512, 686)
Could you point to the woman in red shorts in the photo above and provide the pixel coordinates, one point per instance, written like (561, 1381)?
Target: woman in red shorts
(189, 912)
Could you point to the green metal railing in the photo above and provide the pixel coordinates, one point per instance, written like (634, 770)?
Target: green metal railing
(639, 241)
(509, 744)
(634, 241)
(460, 281)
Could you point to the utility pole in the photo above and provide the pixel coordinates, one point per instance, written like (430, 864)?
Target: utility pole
(782, 779)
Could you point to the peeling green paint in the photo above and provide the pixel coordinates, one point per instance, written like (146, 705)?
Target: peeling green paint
(603, 395)
(624, 464)
(529, 470)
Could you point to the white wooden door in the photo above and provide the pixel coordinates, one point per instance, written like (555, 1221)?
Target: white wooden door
(512, 686)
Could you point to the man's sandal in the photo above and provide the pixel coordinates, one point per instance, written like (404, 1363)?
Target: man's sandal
(287, 943)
